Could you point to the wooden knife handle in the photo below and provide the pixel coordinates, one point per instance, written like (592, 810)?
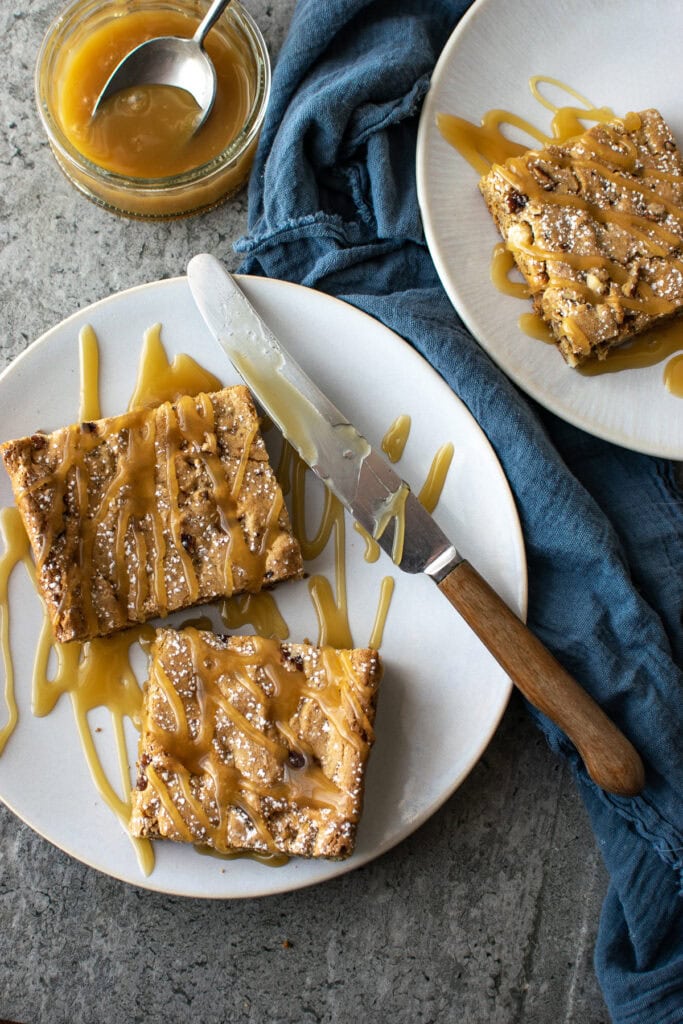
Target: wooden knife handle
(611, 761)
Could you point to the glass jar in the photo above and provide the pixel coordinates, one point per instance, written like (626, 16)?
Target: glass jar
(169, 195)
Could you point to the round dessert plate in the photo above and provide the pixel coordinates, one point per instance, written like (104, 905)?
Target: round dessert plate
(442, 694)
(606, 54)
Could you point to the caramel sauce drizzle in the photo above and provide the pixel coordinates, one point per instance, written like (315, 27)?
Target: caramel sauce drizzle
(394, 441)
(89, 355)
(436, 477)
(385, 595)
(259, 610)
(673, 373)
(16, 549)
(160, 381)
(647, 349)
(535, 326)
(487, 144)
(330, 605)
(99, 673)
(502, 265)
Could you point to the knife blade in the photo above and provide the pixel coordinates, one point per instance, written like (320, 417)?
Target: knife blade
(383, 503)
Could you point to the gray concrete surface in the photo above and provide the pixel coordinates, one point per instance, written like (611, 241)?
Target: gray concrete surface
(486, 915)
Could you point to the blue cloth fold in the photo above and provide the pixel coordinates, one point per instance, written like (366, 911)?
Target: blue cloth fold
(333, 205)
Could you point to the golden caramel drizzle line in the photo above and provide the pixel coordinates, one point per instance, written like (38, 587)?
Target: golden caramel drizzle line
(174, 428)
(340, 691)
(534, 326)
(647, 349)
(284, 469)
(197, 809)
(396, 437)
(372, 548)
(161, 790)
(394, 511)
(673, 374)
(331, 609)
(485, 144)
(270, 860)
(536, 80)
(436, 478)
(244, 461)
(339, 631)
(338, 668)
(311, 548)
(175, 704)
(385, 595)
(16, 549)
(89, 406)
(393, 445)
(502, 265)
(242, 723)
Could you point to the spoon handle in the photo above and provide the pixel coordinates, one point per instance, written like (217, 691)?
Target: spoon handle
(209, 20)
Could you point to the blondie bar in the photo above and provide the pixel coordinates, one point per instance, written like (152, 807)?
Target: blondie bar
(152, 511)
(252, 745)
(595, 225)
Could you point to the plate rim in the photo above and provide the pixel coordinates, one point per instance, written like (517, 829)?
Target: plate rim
(357, 860)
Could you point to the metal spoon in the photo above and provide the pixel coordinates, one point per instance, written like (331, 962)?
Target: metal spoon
(171, 60)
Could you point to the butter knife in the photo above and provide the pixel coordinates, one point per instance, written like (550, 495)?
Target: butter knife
(367, 485)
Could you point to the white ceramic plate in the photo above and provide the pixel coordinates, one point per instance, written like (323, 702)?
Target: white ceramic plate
(442, 694)
(622, 55)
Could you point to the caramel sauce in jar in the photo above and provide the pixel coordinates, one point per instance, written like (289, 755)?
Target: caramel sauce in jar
(140, 155)
(148, 131)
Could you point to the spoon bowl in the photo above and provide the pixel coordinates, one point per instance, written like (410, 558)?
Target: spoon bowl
(171, 60)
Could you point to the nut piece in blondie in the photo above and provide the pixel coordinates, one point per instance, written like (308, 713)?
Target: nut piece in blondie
(249, 745)
(595, 225)
(157, 509)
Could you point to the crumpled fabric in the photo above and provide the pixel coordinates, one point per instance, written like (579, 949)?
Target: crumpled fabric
(333, 205)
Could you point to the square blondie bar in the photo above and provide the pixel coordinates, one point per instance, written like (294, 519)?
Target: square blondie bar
(595, 225)
(155, 510)
(249, 745)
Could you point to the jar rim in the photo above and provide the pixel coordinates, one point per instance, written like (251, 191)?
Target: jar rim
(237, 146)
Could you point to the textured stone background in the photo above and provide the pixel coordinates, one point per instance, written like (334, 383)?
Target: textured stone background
(487, 915)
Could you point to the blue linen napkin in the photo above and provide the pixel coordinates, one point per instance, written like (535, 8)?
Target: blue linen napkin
(333, 205)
